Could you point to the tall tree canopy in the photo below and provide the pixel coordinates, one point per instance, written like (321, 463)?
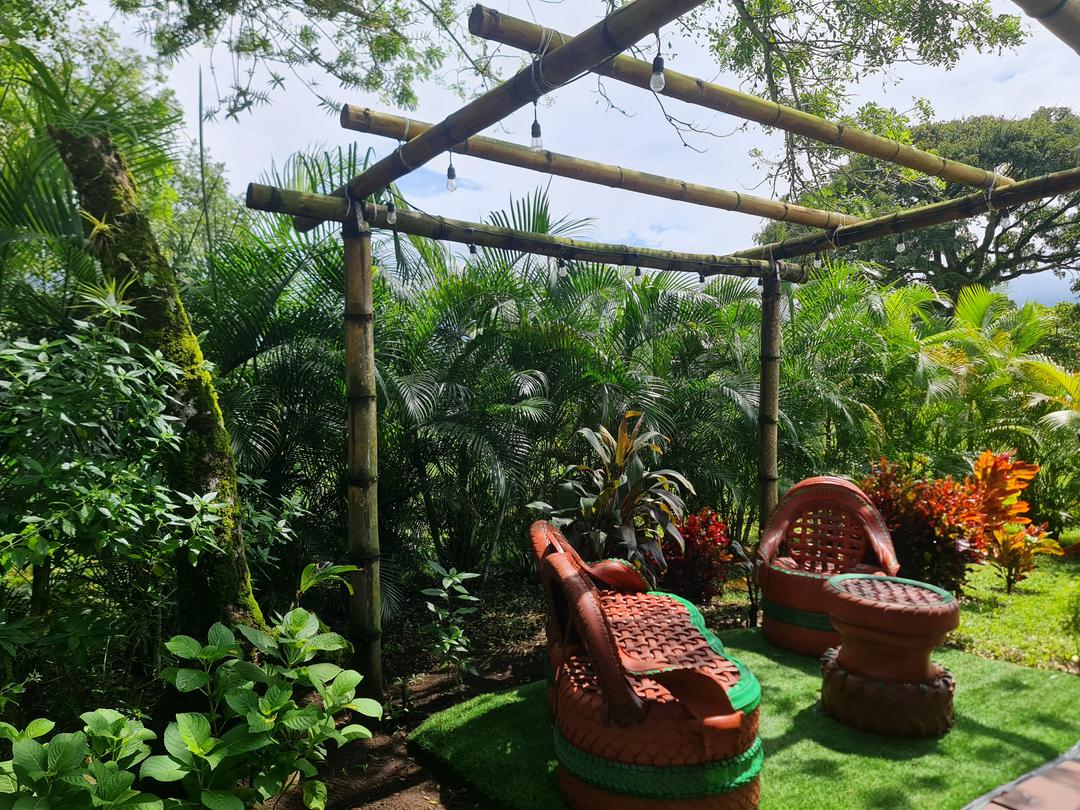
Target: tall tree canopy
(1003, 245)
(810, 53)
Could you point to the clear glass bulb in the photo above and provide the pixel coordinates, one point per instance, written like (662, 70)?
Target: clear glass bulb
(657, 82)
(451, 178)
(817, 263)
(537, 143)
(391, 213)
(900, 246)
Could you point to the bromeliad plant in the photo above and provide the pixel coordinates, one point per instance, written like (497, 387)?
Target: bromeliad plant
(257, 737)
(621, 508)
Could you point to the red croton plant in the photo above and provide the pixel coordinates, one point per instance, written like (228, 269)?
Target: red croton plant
(940, 526)
(699, 569)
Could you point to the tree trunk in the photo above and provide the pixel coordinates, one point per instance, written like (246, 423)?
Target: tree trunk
(218, 587)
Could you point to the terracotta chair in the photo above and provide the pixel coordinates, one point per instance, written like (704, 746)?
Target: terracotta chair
(822, 527)
(649, 710)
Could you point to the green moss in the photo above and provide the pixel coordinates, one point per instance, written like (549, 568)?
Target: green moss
(219, 586)
(1009, 721)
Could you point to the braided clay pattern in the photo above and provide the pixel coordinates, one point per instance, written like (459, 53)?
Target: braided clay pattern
(580, 795)
(891, 604)
(666, 737)
(895, 709)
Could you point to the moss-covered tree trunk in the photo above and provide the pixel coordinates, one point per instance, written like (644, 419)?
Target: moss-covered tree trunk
(218, 588)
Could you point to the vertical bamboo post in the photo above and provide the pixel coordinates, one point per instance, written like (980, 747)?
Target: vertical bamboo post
(365, 609)
(769, 397)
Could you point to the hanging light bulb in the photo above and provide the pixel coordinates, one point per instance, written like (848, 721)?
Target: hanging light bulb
(817, 262)
(637, 272)
(451, 177)
(657, 82)
(901, 246)
(561, 264)
(391, 212)
(537, 142)
(701, 281)
(472, 249)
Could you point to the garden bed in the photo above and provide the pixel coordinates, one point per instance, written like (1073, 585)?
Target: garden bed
(1009, 720)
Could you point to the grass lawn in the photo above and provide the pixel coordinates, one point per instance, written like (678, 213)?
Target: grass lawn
(1010, 720)
(1024, 627)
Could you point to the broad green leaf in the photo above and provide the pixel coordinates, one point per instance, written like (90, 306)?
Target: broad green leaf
(242, 700)
(314, 795)
(258, 639)
(188, 680)
(326, 642)
(322, 672)
(175, 745)
(34, 803)
(221, 636)
(184, 647)
(355, 732)
(301, 719)
(220, 800)
(194, 731)
(112, 783)
(28, 758)
(346, 681)
(66, 751)
(162, 769)
(367, 706)
(38, 727)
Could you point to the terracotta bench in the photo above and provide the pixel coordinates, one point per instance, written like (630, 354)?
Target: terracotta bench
(649, 709)
(822, 527)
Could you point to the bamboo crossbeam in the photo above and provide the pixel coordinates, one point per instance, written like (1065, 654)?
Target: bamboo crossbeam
(1060, 17)
(612, 35)
(325, 207)
(913, 219)
(517, 33)
(364, 119)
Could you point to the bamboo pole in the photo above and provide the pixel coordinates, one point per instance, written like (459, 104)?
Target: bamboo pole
(493, 25)
(1060, 17)
(769, 398)
(364, 119)
(616, 32)
(365, 608)
(325, 207)
(913, 219)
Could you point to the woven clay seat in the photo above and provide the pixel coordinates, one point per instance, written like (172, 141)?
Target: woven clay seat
(650, 712)
(822, 527)
(881, 677)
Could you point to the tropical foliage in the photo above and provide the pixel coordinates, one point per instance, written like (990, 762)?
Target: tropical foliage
(707, 558)
(941, 526)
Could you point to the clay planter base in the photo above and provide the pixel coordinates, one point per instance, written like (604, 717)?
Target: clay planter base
(895, 709)
(580, 795)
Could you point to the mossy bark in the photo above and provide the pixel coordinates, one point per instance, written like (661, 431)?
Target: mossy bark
(218, 587)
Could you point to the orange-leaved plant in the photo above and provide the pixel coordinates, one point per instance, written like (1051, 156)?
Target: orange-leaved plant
(1000, 516)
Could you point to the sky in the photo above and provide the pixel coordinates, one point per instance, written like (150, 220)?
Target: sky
(577, 121)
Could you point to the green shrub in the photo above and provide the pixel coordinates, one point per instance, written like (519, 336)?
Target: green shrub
(257, 736)
(451, 604)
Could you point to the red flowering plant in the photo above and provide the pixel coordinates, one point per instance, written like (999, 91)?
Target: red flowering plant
(699, 570)
(940, 526)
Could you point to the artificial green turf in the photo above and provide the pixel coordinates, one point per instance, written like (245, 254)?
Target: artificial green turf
(1027, 626)
(1009, 720)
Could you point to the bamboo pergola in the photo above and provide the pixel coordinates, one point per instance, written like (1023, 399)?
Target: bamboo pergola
(558, 59)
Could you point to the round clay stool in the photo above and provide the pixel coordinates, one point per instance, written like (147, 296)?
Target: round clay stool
(881, 677)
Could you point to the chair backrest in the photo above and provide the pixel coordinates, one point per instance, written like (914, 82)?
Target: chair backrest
(826, 525)
(576, 619)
